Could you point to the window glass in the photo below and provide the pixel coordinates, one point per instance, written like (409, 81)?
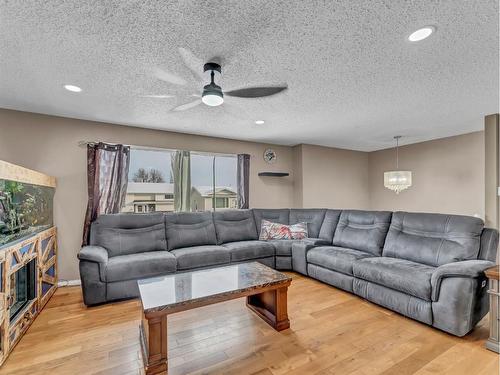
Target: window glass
(151, 186)
(221, 202)
(202, 181)
(150, 183)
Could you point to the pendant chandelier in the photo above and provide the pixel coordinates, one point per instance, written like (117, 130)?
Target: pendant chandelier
(397, 180)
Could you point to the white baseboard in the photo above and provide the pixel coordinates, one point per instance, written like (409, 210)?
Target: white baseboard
(63, 283)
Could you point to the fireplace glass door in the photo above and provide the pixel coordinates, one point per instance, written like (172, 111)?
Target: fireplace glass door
(22, 288)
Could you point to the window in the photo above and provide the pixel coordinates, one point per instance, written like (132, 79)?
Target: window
(221, 202)
(213, 190)
(151, 185)
(140, 208)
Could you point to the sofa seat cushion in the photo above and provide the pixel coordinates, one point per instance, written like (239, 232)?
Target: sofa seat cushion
(139, 265)
(335, 258)
(284, 247)
(398, 274)
(246, 250)
(200, 256)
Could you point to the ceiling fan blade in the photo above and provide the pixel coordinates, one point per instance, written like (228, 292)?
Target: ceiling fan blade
(192, 62)
(186, 106)
(256, 92)
(158, 96)
(168, 77)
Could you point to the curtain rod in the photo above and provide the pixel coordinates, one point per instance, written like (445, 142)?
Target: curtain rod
(84, 144)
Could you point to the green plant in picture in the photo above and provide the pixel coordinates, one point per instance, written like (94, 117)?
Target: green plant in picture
(10, 217)
(27, 210)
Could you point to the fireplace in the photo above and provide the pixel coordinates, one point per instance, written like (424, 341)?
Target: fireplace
(22, 288)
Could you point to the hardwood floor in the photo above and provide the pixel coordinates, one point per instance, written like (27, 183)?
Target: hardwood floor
(332, 332)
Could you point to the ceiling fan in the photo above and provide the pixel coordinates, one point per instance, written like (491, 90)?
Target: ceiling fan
(212, 94)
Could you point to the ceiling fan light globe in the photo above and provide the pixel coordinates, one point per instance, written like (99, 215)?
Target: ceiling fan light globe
(212, 95)
(212, 100)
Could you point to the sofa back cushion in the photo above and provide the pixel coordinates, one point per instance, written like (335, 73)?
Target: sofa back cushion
(433, 239)
(235, 225)
(124, 221)
(279, 215)
(124, 234)
(190, 229)
(362, 230)
(312, 216)
(329, 225)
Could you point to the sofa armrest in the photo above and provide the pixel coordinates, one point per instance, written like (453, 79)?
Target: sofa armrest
(95, 254)
(316, 242)
(466, 268)
(489, 244)
(299, 253)
(93, 264)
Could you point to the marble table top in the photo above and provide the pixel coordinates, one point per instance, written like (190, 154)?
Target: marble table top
(171, 291)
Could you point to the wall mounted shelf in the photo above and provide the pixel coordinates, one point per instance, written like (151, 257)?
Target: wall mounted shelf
(273, 174)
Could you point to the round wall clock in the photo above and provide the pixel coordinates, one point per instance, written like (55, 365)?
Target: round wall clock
(270, 156)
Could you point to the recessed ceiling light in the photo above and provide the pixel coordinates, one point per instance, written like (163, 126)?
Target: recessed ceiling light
(421, 34)
(72, 88)
(259, 122)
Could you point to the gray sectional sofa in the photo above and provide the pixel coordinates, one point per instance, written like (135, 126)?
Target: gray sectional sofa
(429, 267)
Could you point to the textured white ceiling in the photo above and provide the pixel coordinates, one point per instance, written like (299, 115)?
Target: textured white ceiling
(354, 81)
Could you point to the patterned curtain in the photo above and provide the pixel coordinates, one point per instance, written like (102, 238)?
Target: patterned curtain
(181, 169)
(107, 172)
(243, 180)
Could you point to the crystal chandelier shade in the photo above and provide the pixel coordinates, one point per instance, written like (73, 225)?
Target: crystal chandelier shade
(397, 180)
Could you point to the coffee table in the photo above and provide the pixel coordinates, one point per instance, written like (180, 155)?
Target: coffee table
(264, 288)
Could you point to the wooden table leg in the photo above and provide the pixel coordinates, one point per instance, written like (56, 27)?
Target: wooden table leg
(154, 344)
(271, 306)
